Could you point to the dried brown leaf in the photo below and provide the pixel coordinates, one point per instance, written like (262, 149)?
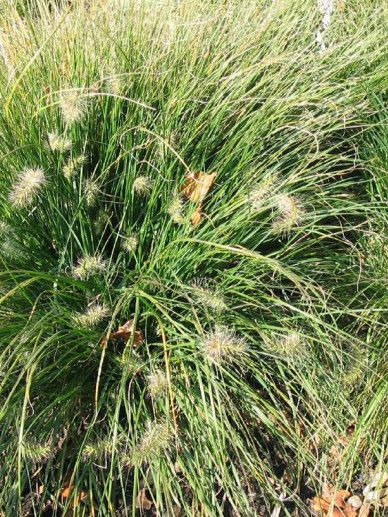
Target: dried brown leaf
(125, 332)
(195, 189)
(197, 186)
(142, 501)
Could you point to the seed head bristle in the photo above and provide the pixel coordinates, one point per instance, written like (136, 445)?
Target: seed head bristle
(88, 266)
(290, 212)
(58, 143)
(142, 185)
(175, 210)
(73, 165)
(37, 452)
(91, 190)
(25, 190)
(223, 345)
(92, 316)
(261, 192)
(208, 295)
(130, 243)
(157, 383)
(155, 441)
(73, 106)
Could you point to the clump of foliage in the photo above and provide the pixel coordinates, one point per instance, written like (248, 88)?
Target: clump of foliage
(192, 255)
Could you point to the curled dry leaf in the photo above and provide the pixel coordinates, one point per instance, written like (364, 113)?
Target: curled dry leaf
(334, 502)
(196, 216)
(125, 332)
(196, 188)
(142, 501)
(67, 492)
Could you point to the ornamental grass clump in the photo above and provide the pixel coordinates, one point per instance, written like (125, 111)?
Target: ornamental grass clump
(192, 271)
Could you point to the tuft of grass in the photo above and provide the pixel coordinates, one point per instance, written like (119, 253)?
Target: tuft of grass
(264, 325)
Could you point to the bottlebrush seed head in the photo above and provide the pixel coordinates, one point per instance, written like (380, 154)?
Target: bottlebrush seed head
(88, 266)
(223, 345)
(26, 188)
(142, 185)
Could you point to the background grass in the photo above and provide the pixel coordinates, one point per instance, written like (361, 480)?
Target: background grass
(289, 259)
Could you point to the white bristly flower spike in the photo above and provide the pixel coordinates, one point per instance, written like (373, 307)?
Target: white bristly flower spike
(58, 143)
(155, 440)
(92, 316)
(88, 266)
(290, 212)
(91, 191)
(142, 185)
(27, 186)
(157, 383)
(175, 210)
(223, 345)
(289, 346)
(73, 165)
(261, 192)
(206, 293)
(4, 55)
(73, 106)
(130, 243)
(326, 7)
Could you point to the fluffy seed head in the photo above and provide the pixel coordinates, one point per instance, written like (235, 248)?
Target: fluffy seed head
(115, 84)
(142, 185)
(5, 229)
(157, 383)
(208, 295)
(98, 450)
(261, 192)
(58, 143)
(91, 190)
(10, 249)
(290, 346)
(88, 266)
(222, 344)
(93, 315)
(73, 165)
(24, 191)
(73, 106)
(5, 56)
(155, 441)
(130, 243)
(290, 213)
(37, 452)
(175, 210)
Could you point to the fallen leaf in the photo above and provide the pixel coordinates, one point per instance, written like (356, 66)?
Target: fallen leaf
(334, 502)
(197, 186)
(125, 332)
(67, 492)
(142, 501)
(196, 216)
(340, 498)
(195, 189)
(320, 504)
